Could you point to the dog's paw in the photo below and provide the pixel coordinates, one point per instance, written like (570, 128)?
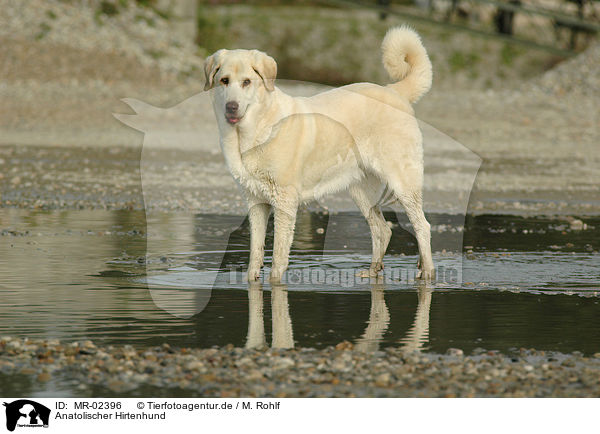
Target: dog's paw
(373, 271)
(253, 274)
(428, 274)
(275, 278)
(370, 273)
(276, 275)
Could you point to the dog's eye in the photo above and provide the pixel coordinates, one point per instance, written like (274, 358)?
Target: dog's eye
(246, 82)
(225, 81)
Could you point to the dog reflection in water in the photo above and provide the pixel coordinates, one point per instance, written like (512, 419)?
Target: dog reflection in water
(418, 335)
(379, 320)
(283, 336)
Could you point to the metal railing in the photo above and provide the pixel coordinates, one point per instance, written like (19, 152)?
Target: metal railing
(542, 31)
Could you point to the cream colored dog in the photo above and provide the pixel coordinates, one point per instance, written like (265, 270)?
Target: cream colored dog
(363, 138)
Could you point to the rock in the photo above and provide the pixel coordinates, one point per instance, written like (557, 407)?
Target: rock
(88, 344)
(195, 365)
(14, 345)
(254, 375)
(383, 380)
(244, 362)
(284, 363)
(456, 352)
(577, 225)
(150, 356)
(344, 345)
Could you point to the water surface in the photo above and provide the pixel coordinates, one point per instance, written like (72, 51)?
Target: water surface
(524, 282)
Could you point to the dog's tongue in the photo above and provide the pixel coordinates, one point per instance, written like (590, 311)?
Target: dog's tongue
(232, 120)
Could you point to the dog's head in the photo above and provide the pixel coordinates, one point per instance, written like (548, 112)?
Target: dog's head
(240, 78)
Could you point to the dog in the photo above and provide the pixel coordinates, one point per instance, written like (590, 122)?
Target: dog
(362, 138)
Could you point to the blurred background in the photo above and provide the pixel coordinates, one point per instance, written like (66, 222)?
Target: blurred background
(475, 43)
(65, 51)
(515, 81)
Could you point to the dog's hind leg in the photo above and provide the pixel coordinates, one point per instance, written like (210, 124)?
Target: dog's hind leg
(413, 205)
(259, 217)
(407, 187)
(380, 232)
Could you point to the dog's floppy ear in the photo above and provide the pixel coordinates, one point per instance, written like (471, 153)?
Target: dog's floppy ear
(266, 67)
(211, 67)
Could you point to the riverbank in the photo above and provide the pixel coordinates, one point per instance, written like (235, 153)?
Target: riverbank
(555, 182)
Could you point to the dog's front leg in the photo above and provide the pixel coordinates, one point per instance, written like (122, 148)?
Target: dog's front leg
(285, 220)
(259, 217)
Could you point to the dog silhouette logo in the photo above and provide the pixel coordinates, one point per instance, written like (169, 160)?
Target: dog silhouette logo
(189, 132)
(26, 413)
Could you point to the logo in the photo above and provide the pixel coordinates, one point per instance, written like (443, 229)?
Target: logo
(182, 282)
(26, 413)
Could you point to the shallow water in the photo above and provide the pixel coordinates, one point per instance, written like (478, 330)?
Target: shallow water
(519, 282)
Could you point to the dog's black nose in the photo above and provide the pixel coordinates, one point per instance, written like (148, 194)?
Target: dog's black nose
(231, 107)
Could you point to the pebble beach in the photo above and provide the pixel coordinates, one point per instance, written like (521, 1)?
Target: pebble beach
(339, 371)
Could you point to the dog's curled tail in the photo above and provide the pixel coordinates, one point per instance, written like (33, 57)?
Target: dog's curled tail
(407, 62)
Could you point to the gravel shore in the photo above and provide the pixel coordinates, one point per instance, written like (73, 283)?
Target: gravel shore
(339, 371)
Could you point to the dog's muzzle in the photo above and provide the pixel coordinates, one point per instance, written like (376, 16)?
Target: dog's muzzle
(231, 112)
